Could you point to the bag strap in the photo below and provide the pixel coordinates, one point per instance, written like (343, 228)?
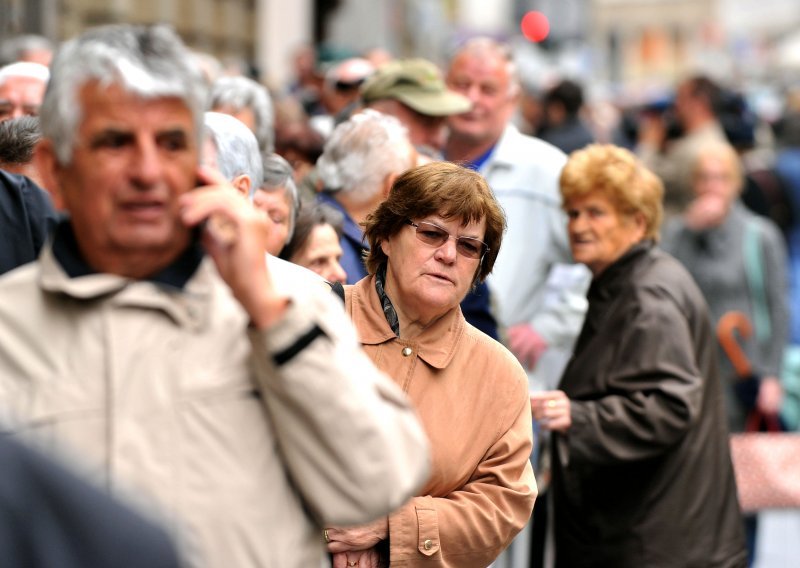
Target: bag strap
(754, 271)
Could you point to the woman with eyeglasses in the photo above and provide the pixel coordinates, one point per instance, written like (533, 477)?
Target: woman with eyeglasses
(437, 235)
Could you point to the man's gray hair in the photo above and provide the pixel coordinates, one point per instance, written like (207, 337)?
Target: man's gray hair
(279, 175)
(18, 139)
(361, 152)
(25, 69)
(239, 93)
(237, 149)
(148, 61)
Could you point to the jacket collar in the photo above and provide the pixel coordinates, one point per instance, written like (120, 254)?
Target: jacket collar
(436, 345)
(182, 290)
(507, 151)
(619, 271)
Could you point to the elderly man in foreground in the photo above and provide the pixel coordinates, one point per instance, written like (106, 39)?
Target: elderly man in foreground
(150, 340)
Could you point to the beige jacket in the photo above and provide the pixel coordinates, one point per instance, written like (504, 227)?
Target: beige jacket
(166, 397)
(472, 397)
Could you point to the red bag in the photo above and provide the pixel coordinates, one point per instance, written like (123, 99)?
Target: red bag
(766, 465)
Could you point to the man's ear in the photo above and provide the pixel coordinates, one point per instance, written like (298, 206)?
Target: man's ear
(49, 169)
(388, 182)
(242, 183)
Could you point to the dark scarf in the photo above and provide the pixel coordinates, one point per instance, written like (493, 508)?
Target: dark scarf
(388, 308)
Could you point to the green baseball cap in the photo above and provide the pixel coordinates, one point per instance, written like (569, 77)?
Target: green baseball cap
(418, 84)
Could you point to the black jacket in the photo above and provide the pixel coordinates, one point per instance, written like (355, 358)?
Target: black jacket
(26, 218)
(644, 477)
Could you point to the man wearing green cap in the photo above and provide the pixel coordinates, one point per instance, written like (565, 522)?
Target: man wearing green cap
(413, 91)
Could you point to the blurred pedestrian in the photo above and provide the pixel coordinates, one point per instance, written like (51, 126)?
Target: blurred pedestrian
(563, 126)
(22, 88)
(671, 154)
(277, 196)
(27, 213)
(32, 48)
(642, 473)
(52, 518)
(151, 341)
(414, 92)
(739, 261)
(361, 160)
(315, 242)
(539, 296)
(713, 239)
(250, 102)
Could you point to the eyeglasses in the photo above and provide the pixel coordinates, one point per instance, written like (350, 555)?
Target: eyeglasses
(435, 236)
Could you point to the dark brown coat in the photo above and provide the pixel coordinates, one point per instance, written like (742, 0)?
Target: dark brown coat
(644, 478)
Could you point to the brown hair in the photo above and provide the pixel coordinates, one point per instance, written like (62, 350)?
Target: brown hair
(618, 175)
(437, 188)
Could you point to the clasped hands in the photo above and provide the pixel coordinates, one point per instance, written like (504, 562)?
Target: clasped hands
(355, 546)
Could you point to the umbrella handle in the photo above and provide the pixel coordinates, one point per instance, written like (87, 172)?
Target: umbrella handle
(729, 324)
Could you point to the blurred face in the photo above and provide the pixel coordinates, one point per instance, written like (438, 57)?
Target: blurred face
(322, 254)
(132, 159)
(275, 203)
(715, 178)
(598, 234)
(423, 130)
(244, 115)
(20, 96)
(484, 80)
(426, 281)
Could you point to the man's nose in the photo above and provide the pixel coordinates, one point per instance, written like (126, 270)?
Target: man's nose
(147, 166)
(338, 273)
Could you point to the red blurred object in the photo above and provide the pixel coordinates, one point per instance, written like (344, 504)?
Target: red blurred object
(535, 26)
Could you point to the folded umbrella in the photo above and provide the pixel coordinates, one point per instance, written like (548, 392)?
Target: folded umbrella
(747, 384)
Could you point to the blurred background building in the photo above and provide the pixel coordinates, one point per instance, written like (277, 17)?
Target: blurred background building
(634, 47)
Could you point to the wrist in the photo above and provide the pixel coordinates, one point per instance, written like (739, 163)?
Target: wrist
(267, 311)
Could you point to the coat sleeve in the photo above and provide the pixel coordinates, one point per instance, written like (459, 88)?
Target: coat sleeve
(471, 526)
(654, 388)
(352, 444)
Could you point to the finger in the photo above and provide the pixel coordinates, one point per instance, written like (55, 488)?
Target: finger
(207, 175)
(337, 546)
(340, 560)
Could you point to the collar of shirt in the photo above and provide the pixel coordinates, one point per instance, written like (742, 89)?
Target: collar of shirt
(68, 255)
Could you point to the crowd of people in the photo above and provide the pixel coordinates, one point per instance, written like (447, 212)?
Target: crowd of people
(366, 319)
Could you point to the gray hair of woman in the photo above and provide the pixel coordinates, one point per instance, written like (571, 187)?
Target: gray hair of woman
(311, 215)
(240, 93)
(237, 149)
(361, 152)
(147, 61)
(279, 177)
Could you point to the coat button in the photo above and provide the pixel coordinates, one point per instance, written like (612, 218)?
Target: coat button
(407, 351)
(428, 544)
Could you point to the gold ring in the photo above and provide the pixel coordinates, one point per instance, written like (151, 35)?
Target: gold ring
(551, 403)
(325, 534)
